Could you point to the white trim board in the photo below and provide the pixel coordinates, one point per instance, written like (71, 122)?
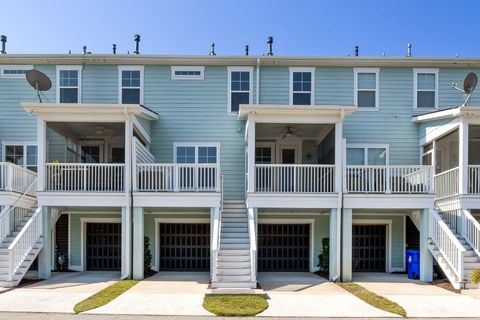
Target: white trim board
(158, 221)
(311, 222)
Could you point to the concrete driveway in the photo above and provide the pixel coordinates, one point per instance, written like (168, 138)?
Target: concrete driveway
(419, 299)
(166, 293)
(308, 295)
(58, 294)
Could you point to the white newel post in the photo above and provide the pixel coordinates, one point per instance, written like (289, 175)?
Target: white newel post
(426, 260)
(45, 255)
(41, 153)
(251, 155)
(339, 149)
(138, 243)
(347, 245)
(463, 158)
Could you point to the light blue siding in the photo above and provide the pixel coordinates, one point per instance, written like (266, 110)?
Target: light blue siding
(334, 86)
(274, 86)
(100, 84)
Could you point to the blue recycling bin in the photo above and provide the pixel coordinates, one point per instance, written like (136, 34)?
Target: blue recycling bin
(413, 263)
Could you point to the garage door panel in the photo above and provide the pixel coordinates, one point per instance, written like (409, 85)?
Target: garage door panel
(184, 247)
(103, 246)
(283, 247)
(369, 248)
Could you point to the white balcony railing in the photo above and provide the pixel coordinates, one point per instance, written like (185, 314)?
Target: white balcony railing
(177, 177)
(474, 179)
(447, 183)
(17, 178)
(388, 179)
(85, 177)
(295, 178)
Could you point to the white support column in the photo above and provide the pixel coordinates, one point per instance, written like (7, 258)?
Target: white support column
(426, 259)
(334, 244)
(126, 242)
(347, 245)
(214, 214)
(251, 155)
(339, 146)
(463, 157)
(138, 243)
(41, 153)
(45, 255)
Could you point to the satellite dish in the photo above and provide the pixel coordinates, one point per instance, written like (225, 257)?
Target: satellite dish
(469, 85)
(40, 82)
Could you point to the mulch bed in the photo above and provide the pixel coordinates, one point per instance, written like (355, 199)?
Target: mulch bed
(445, 285)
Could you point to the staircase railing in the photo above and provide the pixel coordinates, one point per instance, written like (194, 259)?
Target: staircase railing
(16, 178)
(24, 242)
(471, 230)
(448, 244)
(5, 222)
(253, 243)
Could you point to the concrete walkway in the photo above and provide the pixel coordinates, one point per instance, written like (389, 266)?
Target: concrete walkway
(58, 294)
(419, 299)
(166, 293)
(308, 295)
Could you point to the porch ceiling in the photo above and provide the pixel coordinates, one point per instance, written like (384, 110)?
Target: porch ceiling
(269, 130)
(88, 129)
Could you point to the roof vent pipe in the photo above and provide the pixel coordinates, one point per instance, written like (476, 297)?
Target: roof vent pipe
(246, 50)
(84, 49)
(270, 43)
(409, 50)
(3, 39)
(136, 38)
(356, 51)
(114, 48)
(212, 50)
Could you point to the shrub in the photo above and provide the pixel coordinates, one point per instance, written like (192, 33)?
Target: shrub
(147, 255)
(475, 276)
(323, 258)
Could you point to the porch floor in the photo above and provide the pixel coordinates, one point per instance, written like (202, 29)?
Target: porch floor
(419, 299)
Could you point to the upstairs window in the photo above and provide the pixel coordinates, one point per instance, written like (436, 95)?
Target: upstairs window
(131, 84)
(69, 84)
(425, 93)
(366, 88)
(22, 155)
(187, 73)
(14, 72)
(302, 82)
(240, 81)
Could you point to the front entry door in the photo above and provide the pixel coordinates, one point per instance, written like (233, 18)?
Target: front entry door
(288, 156)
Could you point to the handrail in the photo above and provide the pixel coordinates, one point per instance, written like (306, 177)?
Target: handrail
(471, 230)
(447, 243)
(13, 177)
(253, 243)
(24, 242)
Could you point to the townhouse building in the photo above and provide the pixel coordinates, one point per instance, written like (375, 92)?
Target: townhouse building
(237, 165)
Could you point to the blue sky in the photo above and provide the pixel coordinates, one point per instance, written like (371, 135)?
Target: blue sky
(299, 27)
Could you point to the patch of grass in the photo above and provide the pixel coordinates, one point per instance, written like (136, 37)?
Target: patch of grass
(104, 296)
(373, 299)
(235, 305)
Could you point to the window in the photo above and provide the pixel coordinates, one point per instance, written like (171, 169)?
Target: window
(69, 84)
(131, 84)
(425, 83)
(24, 155)
(372, 155)
(90, 154)
(427, 154)
(264, 152)
(240, 82)
(187, 73)
(196, 152)
(366, 88)
(14, 72)
(302, 82)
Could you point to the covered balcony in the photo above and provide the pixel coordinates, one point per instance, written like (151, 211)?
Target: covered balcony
(294, 155)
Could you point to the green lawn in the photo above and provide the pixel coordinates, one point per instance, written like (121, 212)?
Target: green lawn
(104, 296)
(235, 305)
(373, 299)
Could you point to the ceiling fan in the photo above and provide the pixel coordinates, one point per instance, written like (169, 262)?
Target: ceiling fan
(289, 134)
(101, 130)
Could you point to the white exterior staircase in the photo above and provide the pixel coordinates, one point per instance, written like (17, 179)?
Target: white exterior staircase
(453, 252)
(233, 268)
(20, 245)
